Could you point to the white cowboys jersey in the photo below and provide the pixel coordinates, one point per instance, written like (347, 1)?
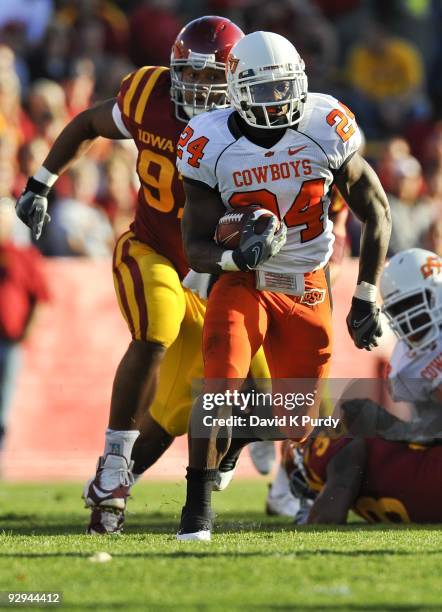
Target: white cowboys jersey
(292, 178)
(415, 375)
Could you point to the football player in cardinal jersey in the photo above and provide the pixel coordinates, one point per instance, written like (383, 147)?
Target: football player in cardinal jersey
(282, 148)
(165, 321)
(381, 480)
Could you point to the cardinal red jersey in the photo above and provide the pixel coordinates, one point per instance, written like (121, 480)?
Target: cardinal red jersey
(402, 482)
(148, 114)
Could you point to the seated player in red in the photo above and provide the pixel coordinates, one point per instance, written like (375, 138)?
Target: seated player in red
(380, 480)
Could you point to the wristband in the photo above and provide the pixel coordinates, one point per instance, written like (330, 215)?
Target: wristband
(365, 291)
(44, 176)
(36, 187)
(226, 263)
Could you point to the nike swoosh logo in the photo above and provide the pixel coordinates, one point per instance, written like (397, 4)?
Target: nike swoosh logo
(294, 151)
(357, 324)
(99, 491)
(257, 252)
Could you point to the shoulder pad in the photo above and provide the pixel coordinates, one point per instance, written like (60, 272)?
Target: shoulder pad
(332, 126)
(135, 90)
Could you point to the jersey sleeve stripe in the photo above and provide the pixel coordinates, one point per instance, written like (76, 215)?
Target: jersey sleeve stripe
(126, 78)
(139, 112)
(133, 88)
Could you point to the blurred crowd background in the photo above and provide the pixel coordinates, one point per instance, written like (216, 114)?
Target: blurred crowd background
(382, 59)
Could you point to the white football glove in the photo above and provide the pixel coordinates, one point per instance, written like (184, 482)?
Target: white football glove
(32, 206)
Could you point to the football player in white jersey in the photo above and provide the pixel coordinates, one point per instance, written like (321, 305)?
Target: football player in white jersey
(282, 148)
(411, 289)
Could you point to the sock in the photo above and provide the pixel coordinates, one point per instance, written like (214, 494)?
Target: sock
(199, 490)
(280, 486)
(120, 443)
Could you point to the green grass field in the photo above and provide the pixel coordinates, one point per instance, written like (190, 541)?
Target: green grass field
(253, 562)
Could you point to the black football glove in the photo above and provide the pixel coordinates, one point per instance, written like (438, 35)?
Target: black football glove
(364, 324)
(255, 249)
(32, 206)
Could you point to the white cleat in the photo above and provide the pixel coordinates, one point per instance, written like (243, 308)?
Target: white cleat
(282, 505)
(106, 494)
(197, 536)
(222, 480)
(105, 521)
(263, 455)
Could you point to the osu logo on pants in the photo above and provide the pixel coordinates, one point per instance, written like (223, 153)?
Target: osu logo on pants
(313, 296)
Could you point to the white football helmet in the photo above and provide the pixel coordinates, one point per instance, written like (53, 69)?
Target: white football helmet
(411, 289)
(266, 81)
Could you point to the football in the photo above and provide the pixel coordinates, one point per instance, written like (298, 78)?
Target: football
(230, 226)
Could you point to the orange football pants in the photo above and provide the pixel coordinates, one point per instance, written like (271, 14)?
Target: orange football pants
(296, 332)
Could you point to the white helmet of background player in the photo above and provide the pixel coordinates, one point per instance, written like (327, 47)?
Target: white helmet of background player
(266, 81)
(411, 288)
